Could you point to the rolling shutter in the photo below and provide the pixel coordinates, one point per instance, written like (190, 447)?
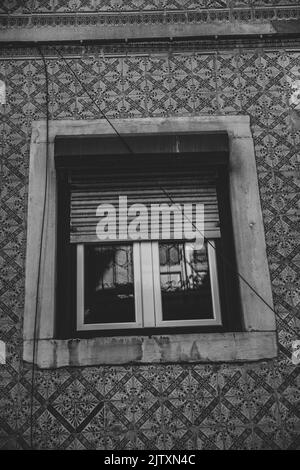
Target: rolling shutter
(179, 172)
(185, 191)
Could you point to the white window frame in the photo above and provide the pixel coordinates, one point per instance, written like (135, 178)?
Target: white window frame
(215, 292)
(257, 341)
(81, 326)
(147, 291)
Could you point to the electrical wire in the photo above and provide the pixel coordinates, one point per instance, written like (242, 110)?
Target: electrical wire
(37, 302)
(126, 145)
(228, 263)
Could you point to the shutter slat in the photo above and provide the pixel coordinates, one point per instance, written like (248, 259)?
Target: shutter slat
(89, 190)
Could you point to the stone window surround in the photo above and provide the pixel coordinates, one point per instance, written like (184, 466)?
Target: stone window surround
(257, 341)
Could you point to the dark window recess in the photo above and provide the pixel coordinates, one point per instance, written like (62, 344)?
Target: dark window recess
(185, 282)
(108, 286)
(108, 269)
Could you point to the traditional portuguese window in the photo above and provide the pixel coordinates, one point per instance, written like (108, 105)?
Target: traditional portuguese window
(142, 236)
(141, 249)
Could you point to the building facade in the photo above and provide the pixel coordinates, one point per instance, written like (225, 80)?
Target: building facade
(86, 69)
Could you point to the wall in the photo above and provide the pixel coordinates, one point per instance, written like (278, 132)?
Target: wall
(113, 19)
(208, 406)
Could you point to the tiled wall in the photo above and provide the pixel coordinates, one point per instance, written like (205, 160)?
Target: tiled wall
(66, 6)
(176, 406)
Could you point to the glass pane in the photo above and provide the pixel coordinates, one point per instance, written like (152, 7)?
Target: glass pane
(109, 286)
(185, 282)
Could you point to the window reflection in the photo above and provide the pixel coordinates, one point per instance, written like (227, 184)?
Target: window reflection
(185, 281)
(109, 286)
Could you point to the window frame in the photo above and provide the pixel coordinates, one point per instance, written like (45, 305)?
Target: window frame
(258, 338)
(148, 313)
(214, 282)
(81, 326)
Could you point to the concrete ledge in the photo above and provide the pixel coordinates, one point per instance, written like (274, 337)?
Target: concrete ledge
(136, 31)
(213, 347)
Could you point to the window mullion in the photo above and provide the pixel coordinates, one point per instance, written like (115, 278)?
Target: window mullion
(137, 276)
(156, 283)
(147, 284)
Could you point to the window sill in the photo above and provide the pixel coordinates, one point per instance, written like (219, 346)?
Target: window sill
(193, 348)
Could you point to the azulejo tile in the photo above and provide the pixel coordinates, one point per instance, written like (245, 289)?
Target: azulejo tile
(74, 443)
(265, 412)
(112, 379)
(9, 412)
(267, 438)
(291, 432)
(165, 378)
(75, 404)
(206, 103)
(235, 412)
(231, 380)
(238, 438)
(210, 437)
(190, 401)
(48, 432)
(97, 440)
(259, 377)
(8, 442)
(133, 400)
(156, 406)
(289, 279)
(180, 414)
(49, 384)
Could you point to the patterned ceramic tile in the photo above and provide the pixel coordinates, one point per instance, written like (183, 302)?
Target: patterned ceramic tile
(49, 433)
(210, 438)
(218, 8)
(76, 404)
(238, 438)
(157, 406)
(267, 438)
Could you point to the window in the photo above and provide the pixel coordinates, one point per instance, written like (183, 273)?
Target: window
(189, 284)
(146, 284)
(247, 331)
(106, 287)
(146, 233)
